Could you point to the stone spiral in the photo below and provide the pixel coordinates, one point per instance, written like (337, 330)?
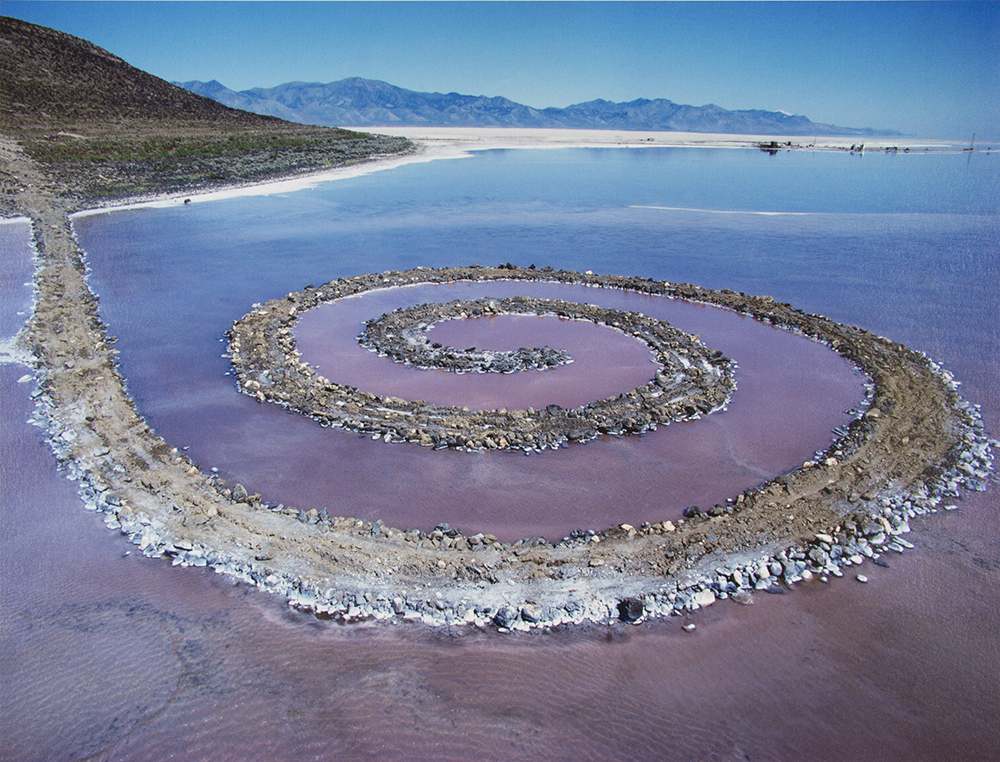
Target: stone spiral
(690, 380)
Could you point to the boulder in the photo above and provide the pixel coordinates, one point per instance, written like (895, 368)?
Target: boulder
(703, 598)
(630, 609)
(531, 612)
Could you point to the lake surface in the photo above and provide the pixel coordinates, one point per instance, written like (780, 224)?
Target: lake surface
(114, 656)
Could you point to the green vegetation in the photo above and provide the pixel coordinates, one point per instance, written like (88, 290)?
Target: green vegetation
(64, 148)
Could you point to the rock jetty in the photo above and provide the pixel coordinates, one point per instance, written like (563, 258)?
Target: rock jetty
(400, 336)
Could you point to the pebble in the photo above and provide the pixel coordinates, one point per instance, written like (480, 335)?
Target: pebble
(531, 612)
(861, 578)
(704, 598)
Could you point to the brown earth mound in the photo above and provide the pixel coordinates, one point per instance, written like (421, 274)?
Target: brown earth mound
(54, 81)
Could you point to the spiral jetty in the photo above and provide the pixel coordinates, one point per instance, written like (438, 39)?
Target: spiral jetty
(909, 452)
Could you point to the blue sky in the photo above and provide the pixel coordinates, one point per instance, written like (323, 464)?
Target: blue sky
(927, 69)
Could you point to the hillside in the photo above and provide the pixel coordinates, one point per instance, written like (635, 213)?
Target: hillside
(50, 80)
(103, 129)
(371, 103)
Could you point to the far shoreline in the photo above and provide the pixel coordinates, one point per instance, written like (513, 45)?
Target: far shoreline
(484, 138)
(436, 143)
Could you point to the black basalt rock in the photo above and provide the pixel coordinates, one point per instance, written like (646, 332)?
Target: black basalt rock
(630, 609)
(447, 530)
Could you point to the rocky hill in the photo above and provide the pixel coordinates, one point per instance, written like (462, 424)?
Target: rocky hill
(102, 129)
(50, 80)
(371, 103)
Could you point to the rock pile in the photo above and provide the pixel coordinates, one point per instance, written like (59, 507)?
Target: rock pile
(400, 336)
(910, 451)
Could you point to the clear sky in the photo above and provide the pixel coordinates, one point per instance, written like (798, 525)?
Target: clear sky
(926, 69)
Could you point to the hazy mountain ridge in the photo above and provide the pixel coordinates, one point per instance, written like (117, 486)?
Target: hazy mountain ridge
(372, 103)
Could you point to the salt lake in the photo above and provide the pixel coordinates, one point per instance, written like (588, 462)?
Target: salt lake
(113, 656)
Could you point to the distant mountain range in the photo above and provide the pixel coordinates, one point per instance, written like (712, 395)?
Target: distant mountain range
(370, 103)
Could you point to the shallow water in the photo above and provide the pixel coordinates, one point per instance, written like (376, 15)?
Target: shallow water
(16, 270)
(603, 362)
(792, 393)
(110, 656)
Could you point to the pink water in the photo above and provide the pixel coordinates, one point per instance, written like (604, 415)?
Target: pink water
(112, 657)
(115, 657)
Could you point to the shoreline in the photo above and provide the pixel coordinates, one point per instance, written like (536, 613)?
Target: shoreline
(288, 184)
(354, 570)
(441, 143)
(486, 138)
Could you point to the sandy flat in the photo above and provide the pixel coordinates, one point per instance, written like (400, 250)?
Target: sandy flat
(489, 137)
(288, 185)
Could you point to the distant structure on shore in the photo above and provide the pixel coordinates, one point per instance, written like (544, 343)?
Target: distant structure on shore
(370, 103)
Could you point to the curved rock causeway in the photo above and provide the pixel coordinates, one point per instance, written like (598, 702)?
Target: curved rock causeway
(917, 444)
(690, 379)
